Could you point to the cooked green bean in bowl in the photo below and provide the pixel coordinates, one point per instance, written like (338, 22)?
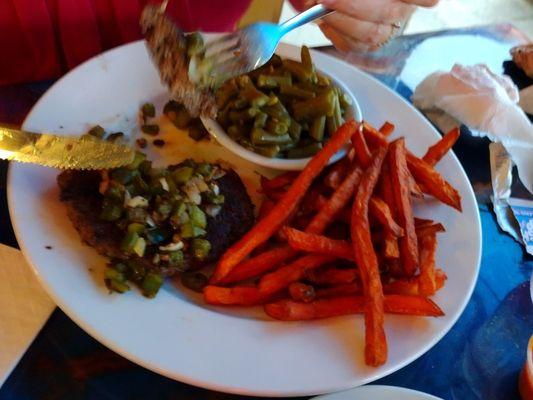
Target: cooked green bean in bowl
(282, 113)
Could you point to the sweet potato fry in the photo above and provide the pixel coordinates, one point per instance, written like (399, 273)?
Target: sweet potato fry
(427, 280)
(412, 305)
(373, 137)
(435, 153)
(366, 259)
(279, 181)
(312, 243)
(403, 286)
(331, 275)
(345, 289)
(414, 188)
(390, 247)
(433, 183)
(429, 230)
(411, 286)
(419, 222)
(404, 212)
(274, 195)
(259, 264)
(362, 153)
(266, 227)
(265, 208)
(387, 128)
(235, 296)
(281, 278)
(301, 292)
(288, 310)
(340, 198)
(336, 174)
(381, 211)
(440, 279)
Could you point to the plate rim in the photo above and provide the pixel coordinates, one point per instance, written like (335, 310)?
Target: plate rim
(188, 379)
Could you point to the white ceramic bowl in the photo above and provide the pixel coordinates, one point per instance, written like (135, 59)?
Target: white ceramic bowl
(214, 128)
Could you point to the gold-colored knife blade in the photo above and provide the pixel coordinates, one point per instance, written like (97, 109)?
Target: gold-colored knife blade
(64, 152)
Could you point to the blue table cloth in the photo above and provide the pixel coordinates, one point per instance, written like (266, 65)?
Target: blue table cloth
(479, 358)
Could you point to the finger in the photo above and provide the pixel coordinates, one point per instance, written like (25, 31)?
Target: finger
(361, 31)
(422, 3)
(344, 43)
(381, 11)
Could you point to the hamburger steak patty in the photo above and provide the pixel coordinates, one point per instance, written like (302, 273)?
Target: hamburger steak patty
(79, 191)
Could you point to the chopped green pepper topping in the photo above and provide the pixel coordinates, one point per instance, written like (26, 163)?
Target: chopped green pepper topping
(151, 284)
(148, 110)
(200, 248)
(182, 174)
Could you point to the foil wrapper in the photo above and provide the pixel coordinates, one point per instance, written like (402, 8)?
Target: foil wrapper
(62, 152)
(515, 216)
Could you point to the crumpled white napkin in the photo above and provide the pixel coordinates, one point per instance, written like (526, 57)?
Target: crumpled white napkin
(486, 103)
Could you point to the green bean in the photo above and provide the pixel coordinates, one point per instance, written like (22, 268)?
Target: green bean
(273, 81)
(304, 152)
(239, 104)
(225, 93)
(337, 113)
(323, 104)
(277, 111)
(237, 131)
(254, 97)
(260, 120)
(243, 81)
(294, 91)
(299, 71)
(246, 143)
(287, 146)
(316, 130)
(276, 127)
(195, 44)
(345, 100)
(261, 137)
(323, 80)
(305, 56)
(242, 116)
(270, 151)
(331, 125)
(295, 130)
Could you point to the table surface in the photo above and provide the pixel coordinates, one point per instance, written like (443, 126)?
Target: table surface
(478, 359)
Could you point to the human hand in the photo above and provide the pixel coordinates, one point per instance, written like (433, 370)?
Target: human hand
(366, 25)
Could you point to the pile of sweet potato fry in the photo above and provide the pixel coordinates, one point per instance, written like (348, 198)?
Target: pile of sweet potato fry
(342, 239)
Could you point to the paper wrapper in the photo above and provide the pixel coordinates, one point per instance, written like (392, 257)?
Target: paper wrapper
(487, 104)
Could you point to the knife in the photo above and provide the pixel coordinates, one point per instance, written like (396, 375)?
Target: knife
(85, 152)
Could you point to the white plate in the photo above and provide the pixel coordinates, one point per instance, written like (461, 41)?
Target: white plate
(378, 392)
(177, 336)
